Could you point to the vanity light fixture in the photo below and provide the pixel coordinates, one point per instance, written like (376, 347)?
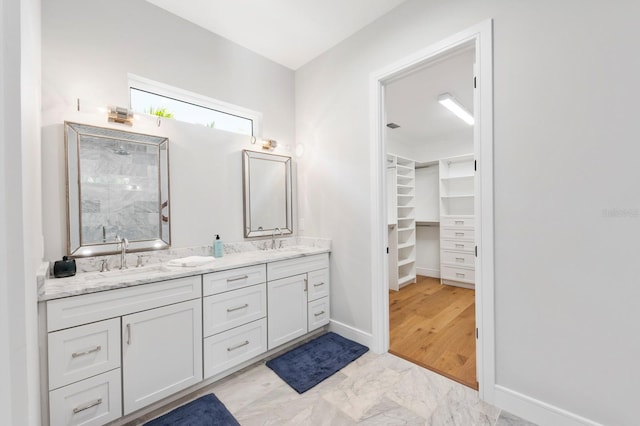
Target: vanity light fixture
(269, 144)
(120, 115)
(452, 104)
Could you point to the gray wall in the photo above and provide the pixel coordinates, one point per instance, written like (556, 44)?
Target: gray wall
(566, 197)
(88, 50)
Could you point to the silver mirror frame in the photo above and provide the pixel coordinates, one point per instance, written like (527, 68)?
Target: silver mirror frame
(75, 247)
(250, 230)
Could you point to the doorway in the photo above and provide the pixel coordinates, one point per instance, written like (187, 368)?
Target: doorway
(480, 37)
(430, 205)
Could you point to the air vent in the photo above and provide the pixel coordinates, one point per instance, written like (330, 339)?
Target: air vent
(392, 125)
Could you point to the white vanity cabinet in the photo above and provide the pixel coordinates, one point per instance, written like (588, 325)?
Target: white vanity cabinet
(136, 344)
(298, 297)
(234, 317)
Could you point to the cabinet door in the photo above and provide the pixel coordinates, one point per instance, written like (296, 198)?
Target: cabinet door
(287, 308)
(161, 352)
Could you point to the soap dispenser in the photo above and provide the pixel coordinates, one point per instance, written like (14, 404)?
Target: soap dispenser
(218, 251)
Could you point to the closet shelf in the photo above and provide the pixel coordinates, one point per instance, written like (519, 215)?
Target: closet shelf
(405, 245)
(458, 196)
(405, 262)
(457, 177)
(406, 279)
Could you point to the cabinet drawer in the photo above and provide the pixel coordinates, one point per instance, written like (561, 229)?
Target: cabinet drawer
(458, 259)
(224, 311)
(218, 282)
(457, 234)
(93, 401)
(228, 349)
(78, 310)
(318, 284)
(457, 221)
(318, 313)
(300, 265)
(468, 246)
(81, 352)
(457, 274)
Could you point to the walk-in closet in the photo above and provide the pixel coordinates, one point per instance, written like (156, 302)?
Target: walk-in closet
(431, 196)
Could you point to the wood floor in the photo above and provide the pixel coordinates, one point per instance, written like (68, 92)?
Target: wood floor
(433, 325)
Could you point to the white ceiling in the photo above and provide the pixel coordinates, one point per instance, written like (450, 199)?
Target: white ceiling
(412, 101)
(289, 32)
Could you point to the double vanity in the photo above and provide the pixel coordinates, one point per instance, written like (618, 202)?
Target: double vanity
(114, 343)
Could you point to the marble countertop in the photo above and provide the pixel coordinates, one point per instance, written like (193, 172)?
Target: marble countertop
(91, 282)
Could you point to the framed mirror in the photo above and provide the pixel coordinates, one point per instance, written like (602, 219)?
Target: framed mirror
(267, 194)
(117, 185)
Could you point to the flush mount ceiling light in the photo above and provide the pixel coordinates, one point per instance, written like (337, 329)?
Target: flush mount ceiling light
(448, 101)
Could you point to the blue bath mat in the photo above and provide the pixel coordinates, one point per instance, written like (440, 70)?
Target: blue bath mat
(204, 411)
(307, 365)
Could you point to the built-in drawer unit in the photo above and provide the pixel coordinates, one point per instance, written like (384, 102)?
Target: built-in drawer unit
(318, 313)
(93, 401)
(78, 310)
(81, 352)
(232, 347)
(318, 284)
(300, 265)
(457, 221)
(231, 309)
(232, 279)
(457, 234)
(468, 246)
(458, 258)
(465, 275)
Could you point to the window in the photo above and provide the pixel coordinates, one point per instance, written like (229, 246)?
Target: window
(151, 97)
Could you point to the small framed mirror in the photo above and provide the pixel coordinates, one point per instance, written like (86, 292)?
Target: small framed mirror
(267, 194)
(117, 186)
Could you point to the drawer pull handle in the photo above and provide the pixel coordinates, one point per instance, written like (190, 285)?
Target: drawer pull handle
(128, 334)
(459, 259)
(459, 245)
(319, 284)
(459, 222)
(459, 275)
(87, 352)
(318, 313)
(233, 348)
(87, 406)
(237, 308)
(244, 277)
(459, 234)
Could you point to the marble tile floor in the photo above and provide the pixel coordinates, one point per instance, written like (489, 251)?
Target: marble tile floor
(373, 390)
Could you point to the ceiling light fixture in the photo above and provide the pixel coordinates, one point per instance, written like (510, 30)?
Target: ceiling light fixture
(448, 101)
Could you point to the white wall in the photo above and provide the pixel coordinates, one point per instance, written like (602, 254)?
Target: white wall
(566, 198)
(20, 218)
(427, 201)
(88, 50)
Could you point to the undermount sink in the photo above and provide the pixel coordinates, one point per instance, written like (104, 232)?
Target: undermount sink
(122, 273)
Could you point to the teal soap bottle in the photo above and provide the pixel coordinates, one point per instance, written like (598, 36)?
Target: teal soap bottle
(218, 251)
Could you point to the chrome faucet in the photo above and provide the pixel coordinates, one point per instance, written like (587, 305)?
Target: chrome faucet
(273, 237)
(124, 244)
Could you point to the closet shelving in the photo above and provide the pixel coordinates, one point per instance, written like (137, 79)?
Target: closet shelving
(457, 230)
(405, 231)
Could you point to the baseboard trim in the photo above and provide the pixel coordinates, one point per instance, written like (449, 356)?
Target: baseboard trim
(428, 272)
(352, 333)
(537, 411)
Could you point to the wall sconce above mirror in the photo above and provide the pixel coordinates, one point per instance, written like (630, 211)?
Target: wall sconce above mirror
(117, 185)
(267, 194)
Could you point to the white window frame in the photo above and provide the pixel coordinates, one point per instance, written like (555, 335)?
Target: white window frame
(162, 89)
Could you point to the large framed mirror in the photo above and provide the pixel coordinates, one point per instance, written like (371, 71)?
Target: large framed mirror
(117, 187)
(267, 194)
